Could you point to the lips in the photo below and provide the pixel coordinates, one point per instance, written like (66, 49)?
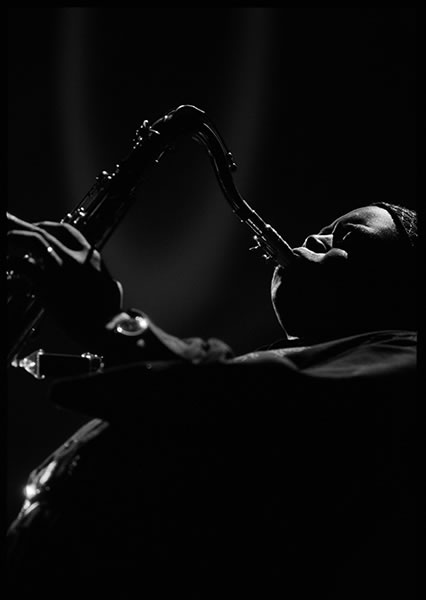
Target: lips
(308, 254)
(333, 253)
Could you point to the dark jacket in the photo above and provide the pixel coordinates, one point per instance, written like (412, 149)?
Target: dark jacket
(204, 475)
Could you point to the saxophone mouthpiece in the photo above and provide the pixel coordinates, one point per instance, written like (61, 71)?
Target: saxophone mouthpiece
(276, 249)
(285, 255)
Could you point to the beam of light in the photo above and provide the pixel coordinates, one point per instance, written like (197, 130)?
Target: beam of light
(194, 271)
(72, 83)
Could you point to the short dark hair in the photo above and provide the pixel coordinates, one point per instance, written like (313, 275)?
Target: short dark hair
(405, 220)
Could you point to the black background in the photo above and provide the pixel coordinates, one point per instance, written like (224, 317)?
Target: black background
(316, 105)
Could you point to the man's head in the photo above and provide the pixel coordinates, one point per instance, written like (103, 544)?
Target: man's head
(356, 274)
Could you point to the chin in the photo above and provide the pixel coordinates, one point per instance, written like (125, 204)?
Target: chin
(299, 313)
(276, 282)
(300, 317)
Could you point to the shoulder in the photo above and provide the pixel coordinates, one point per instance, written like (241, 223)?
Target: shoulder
(386, 353)
(376, 353)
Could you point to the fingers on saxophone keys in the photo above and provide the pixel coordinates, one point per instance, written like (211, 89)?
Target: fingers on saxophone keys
(34, 248)
(18, 224)
(67, 234)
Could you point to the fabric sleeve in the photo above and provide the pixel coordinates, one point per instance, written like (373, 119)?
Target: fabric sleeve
(132, 336)
(179, 390)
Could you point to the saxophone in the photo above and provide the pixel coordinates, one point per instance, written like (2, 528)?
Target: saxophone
(102, 208)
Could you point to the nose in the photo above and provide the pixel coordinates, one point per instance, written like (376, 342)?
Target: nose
(319, 243)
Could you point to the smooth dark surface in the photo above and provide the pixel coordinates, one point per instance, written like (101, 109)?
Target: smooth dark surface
(317, 106)
(291, 488)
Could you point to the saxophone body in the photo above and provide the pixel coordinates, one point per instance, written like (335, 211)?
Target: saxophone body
(101, 210)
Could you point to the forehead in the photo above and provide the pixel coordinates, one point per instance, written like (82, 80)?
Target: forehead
(373, 217)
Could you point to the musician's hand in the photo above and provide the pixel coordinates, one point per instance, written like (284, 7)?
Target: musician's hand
(70, 277)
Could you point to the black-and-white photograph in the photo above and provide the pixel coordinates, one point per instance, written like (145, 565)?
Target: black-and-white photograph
(212, 318)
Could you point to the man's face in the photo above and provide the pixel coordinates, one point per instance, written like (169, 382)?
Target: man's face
(336, 271)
